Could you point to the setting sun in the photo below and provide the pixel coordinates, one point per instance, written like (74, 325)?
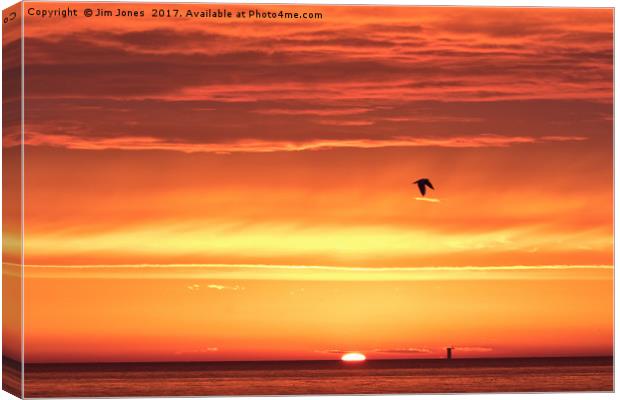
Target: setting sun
(353, 357)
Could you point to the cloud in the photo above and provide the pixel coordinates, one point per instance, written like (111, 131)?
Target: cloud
(297, 291)
(322, 273)
(315, 112)
(334, 351)
(473, 349)
(432, 118)
(350, 122)
(329, 267)
(428, 199)
(361, 83)
(408, 350)
(204, 350)
(269, 146)
(196, 287)
(470, 55)
(225, 287)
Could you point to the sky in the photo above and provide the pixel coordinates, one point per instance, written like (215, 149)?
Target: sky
(205, 189)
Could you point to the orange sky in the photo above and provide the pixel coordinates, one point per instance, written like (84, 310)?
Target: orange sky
(182, 176)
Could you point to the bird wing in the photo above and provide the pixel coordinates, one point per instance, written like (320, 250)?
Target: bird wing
(429, 184)
(422, 188)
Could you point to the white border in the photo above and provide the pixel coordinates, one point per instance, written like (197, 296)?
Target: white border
(488, 3)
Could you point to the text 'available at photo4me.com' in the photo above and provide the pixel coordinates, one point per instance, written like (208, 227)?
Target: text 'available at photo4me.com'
(100, 11)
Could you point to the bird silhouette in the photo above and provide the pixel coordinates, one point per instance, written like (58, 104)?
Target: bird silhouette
(422, 184)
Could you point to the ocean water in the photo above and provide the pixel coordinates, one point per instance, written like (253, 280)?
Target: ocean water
(320, 377)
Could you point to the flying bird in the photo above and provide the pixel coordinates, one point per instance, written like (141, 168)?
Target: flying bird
(422, 184)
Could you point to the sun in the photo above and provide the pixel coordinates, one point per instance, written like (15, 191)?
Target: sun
(353, 357)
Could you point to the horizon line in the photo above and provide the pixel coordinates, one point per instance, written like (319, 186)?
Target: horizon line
(338, 360)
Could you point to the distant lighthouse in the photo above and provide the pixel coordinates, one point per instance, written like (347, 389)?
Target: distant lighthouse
(449, 353)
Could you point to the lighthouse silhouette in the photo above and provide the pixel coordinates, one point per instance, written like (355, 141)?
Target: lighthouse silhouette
(449, 353)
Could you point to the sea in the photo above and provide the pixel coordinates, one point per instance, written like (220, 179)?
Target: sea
(320, 377)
